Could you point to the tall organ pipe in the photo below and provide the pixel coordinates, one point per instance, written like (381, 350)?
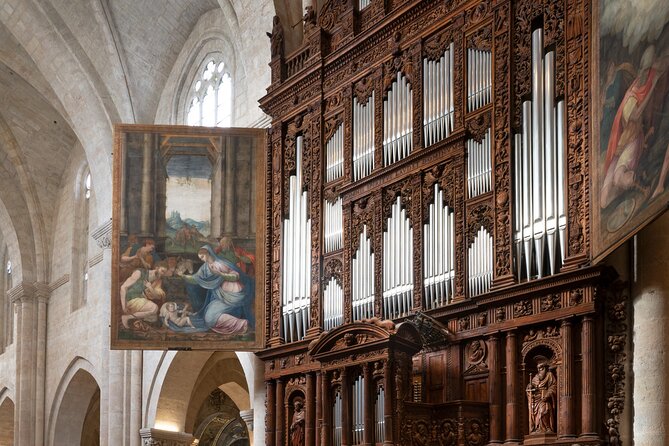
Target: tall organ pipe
(439, 252)
(438, 105)
(480, 262)
(334, 150)
(296, 256)
(363, 138)
(540, 213)
(397, 263)
(362, 267)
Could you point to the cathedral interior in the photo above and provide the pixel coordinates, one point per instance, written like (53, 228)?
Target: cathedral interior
(460, 211)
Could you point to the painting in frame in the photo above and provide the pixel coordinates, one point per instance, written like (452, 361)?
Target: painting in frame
(630, 125)
(188, 246)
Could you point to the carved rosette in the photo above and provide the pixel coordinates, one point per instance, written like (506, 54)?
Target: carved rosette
(502, 158)
(478, 13)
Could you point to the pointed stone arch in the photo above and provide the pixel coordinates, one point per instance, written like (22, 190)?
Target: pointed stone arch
(72, 406)
(6, 418)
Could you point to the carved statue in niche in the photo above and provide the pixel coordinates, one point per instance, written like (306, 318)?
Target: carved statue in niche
(297, 425)
(541, 394)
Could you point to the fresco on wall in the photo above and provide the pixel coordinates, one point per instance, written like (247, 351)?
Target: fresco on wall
(186, 249)
(631, 105)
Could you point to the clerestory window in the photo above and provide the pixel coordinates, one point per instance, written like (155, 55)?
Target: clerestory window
(211, 103)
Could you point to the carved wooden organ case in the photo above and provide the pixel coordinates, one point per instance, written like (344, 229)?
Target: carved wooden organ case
(429, 229)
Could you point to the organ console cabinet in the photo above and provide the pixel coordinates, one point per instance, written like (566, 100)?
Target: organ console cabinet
(429, 276)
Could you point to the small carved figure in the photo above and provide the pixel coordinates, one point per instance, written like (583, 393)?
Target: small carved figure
(612, 430)
(297, 426)
(476, 352)
(276, 37)
(541, 398)
(421, 435)
(475, 437)
(447, 435)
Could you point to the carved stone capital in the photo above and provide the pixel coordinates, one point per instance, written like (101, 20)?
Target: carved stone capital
(103, 235)
(25, 291)
(247, 416)
(158, 437)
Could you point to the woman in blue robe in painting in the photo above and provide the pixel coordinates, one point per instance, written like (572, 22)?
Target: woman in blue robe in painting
(221, 296)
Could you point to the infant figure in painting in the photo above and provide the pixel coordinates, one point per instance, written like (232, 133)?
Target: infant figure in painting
(169, 312)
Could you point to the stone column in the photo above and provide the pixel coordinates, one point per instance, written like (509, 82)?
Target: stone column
(270, 421)
(147, 186)
(512, 406)
(650, 333)
(495, 390)
(319, 408)
(280, 417)
(216, 195)
(565, 425)
(124, 166)
(31, 306)
(161, 437)
(229, 208)
(135, 412)
(310, 408)
(588, 399)
(247, 417)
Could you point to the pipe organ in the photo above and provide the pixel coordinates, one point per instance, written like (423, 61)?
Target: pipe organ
(332, 228)
(398, 264)
(539, 194)
(479, 166)
(479, 78)
(335, 155)
(362, 267)
(398, 121)
(439, 252)
(296, 256)
(438, 102)
(358, 410)
(363, 138)
(333, 305)
(428, 233)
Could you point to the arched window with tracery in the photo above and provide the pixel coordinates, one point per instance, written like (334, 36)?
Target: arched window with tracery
(211, 95)
(79, 275)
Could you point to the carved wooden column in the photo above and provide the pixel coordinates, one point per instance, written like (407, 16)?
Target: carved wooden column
(319, 409)
(346, 411)
(388, 403)
(368, 434)
(270, 419)
(326, 410)
(310, 408)
(280, 412)
(512, 406)
(565, 425)
(494, 390)
(588, 428)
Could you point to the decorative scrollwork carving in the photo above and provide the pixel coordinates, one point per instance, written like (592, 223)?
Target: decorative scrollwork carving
(481, 215)
(333, 269)
(478, 127)
(362, 89)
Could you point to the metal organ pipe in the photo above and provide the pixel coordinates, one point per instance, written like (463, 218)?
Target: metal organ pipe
(363, 4)
(439, 253)
(438, 104)
(333, 305)
(539, 158)
(337, 420)
(397, 264)
(479, 78)
(358, 410)
(379, 433)
(332, 227)
(398, 121)
(480, 263)
(362, 289)
(479, 166)
(363, 138)
(296, 257)
(334, 150)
